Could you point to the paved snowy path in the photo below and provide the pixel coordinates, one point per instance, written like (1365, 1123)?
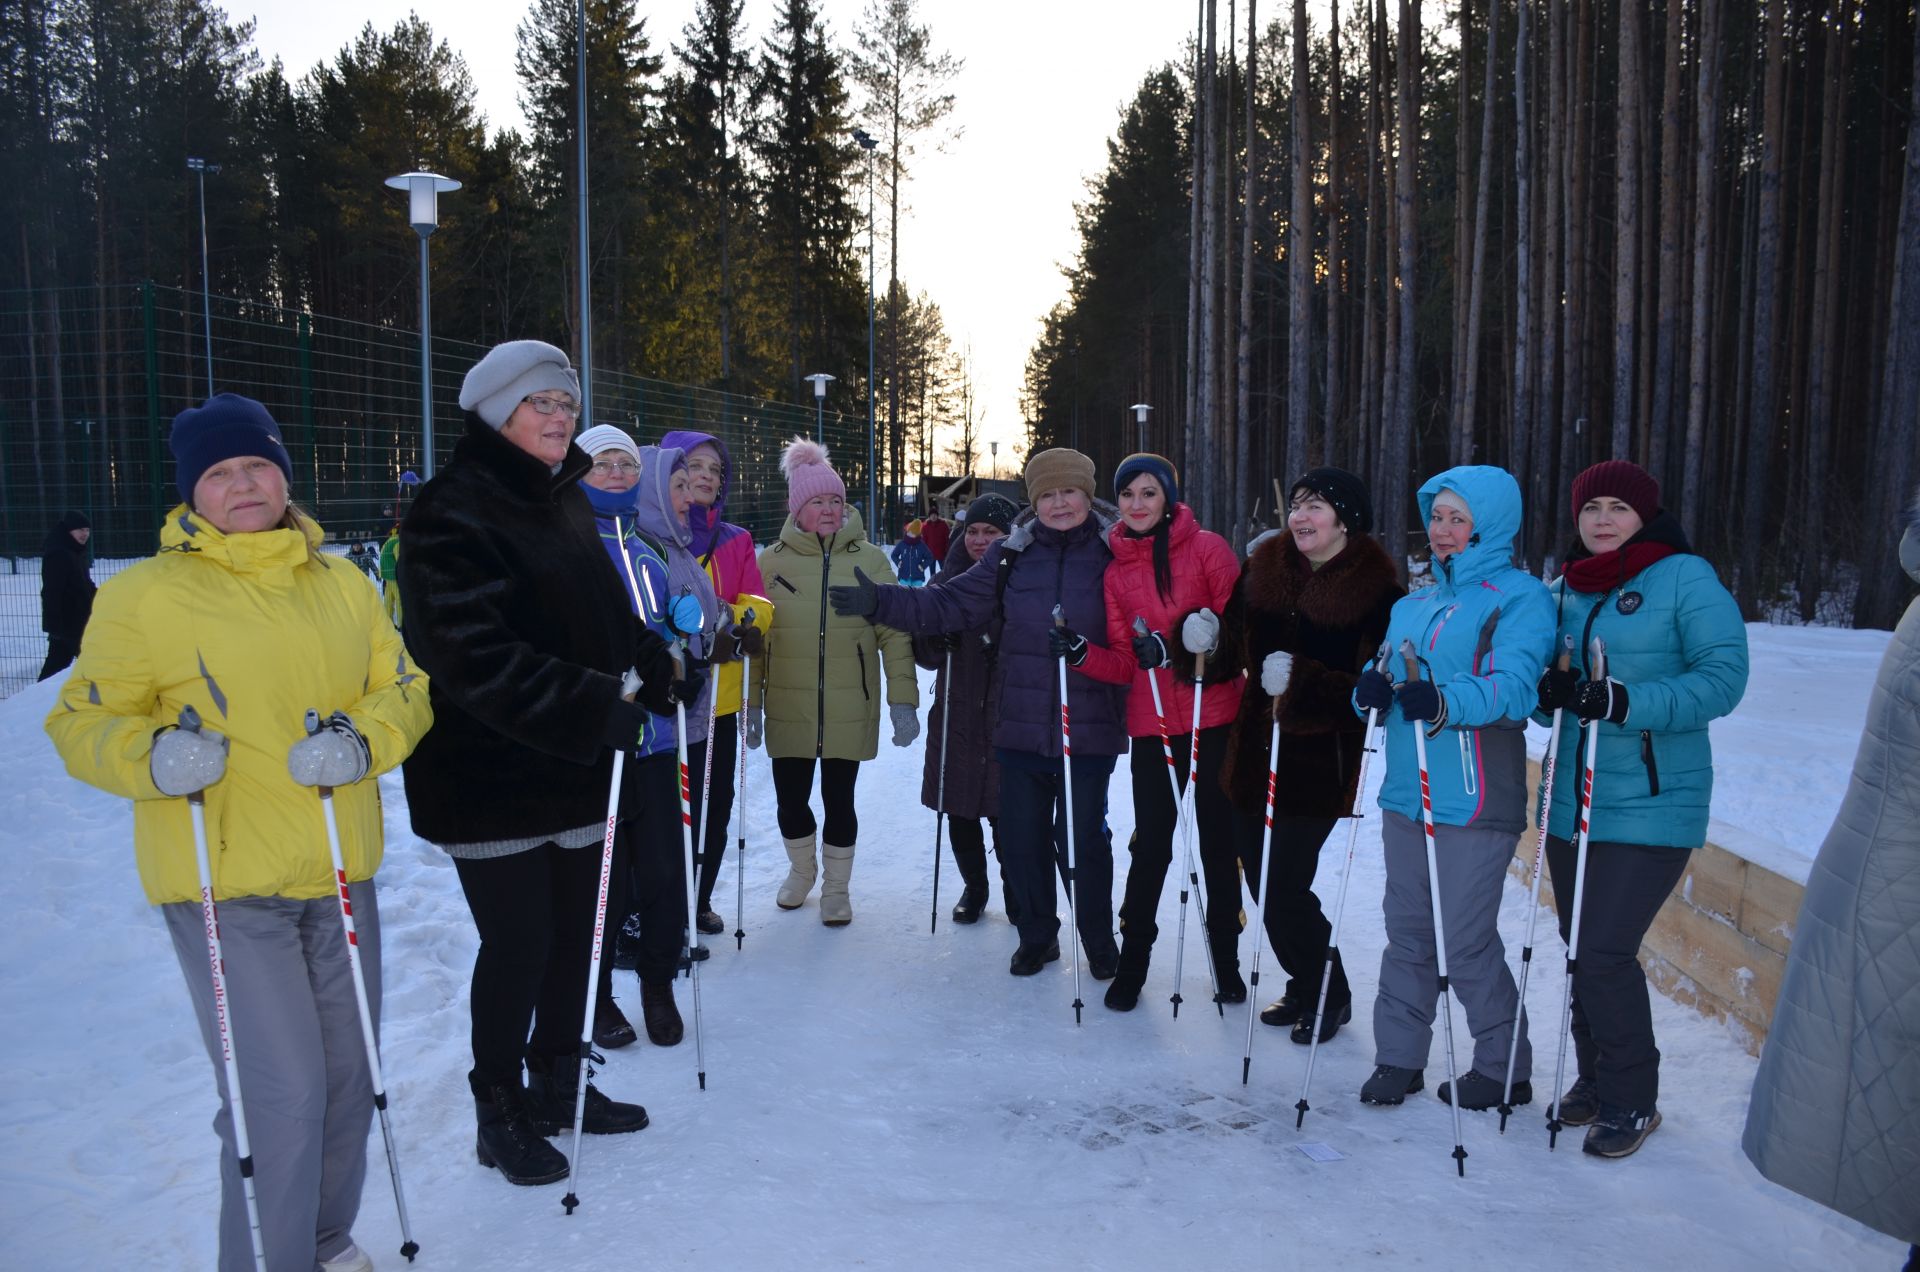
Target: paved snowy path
(877, 1096)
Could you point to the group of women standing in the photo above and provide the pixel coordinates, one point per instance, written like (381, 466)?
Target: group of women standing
(542, 579)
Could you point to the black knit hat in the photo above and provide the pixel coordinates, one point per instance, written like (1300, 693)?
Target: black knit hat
(1346, 493)
(995, 510)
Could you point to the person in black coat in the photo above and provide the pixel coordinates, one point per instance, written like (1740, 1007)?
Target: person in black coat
(514, 609)
(1306, 617)
(66, 591)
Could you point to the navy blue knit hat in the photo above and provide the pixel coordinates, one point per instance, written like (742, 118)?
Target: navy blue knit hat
(1156, 466)
(225, 427)
(993, 510)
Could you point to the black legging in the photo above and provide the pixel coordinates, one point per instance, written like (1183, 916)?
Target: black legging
(534, 912)
(1291, 913)
(725, 746)
(1154, 819)
(793, 788)
(650, 876)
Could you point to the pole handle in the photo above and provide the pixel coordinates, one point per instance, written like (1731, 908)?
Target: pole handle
(1411, 657)
(1565, 661)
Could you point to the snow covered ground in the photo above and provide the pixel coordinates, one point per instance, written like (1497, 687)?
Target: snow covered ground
(881, 1097)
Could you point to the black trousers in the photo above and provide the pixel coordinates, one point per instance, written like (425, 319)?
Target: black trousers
(713, 819)
(534, 911)
(650, 872)
(1612, 1020)
(1155, 818)
(1030, 835)
(61, 651)
(1296, 926)
(793, 791)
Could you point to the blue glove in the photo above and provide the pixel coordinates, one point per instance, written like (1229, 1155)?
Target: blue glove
(1373, 691)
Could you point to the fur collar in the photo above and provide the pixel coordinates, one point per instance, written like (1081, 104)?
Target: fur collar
(1339, 594)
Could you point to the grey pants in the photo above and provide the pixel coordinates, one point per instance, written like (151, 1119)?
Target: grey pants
(303, 1067)
(1473, 871)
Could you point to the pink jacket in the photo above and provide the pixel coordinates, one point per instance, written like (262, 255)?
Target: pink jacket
(1203, 570)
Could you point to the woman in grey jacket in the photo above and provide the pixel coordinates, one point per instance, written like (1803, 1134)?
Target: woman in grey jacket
(1835, 1114)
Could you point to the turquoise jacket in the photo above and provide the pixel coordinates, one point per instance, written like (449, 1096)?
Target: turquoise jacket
(1477, 761)
(1675, 639)
(643, 574)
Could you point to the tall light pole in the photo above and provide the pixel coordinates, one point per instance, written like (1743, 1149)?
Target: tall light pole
(820, 380)
(867, 143)
(586, 269)
(200, 168)
(423, 213)
(994, 448)
(1140, 410)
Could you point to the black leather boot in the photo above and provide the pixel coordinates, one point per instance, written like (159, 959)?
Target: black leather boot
(509, 1142)
(972, 863)
(552, 1083)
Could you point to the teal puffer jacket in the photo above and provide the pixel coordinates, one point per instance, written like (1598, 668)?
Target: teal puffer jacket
(1675, 639)
(1477, 763)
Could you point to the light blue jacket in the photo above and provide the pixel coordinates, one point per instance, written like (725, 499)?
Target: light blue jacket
(1675, 639)
(1477, 763)
(643, 574)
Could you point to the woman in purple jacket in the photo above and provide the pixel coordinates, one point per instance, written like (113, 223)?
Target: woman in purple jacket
(1056, 556)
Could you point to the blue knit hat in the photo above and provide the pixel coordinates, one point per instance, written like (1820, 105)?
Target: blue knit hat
(225, 427)
(1156, 466)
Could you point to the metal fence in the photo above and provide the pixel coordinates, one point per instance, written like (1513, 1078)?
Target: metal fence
(90, 379)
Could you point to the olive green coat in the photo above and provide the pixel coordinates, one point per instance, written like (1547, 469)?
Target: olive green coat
(822, 688)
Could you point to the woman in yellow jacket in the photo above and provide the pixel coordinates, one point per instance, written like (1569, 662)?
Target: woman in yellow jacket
(240, 617)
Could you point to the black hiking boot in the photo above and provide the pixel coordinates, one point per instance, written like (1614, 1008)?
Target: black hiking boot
(552, 1084)
(508, 1141)
(1391, 1084)
(1580, 1105)
(611, 1028)
(1130, 977)
(1286, 1010)
(1330, 1022)
(665, 1028)
(972, 901)
(1478, 1092)
(1618, 1132)
(1029, 959)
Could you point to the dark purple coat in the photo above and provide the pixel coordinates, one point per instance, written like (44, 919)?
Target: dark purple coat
(1045, 567)
(973, 778)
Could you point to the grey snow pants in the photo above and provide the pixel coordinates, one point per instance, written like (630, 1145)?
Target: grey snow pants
(1473, 868)
(303, 1067)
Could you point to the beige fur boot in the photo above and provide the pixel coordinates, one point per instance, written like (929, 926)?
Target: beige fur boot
(793, 893)
(836, 910)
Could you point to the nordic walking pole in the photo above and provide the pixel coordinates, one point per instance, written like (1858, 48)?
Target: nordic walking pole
(1066, 795)
(629, 685)
(1411, 657)
(740, 802)
(706, 794)
(1369, 742)
(222, 1005)
(408, 1246)
(1597, 670)
(1259, 910)
(693, 865)
(1190, 812)
(1547, 768)
(940, 813)
(1179, 813)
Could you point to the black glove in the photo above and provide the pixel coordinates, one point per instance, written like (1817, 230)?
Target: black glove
(1373, 691)
(1064, 642)
(1150, 650)
(653, 659)
(622, 731)
(858, 601)
(944, 643)
(1420, 700)
(1556, 687)
(1601, 700)
(686, 690)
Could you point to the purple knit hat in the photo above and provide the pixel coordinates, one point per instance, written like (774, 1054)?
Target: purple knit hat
(808, 473)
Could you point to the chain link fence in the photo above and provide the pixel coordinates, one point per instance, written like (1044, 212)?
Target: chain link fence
(90, 379)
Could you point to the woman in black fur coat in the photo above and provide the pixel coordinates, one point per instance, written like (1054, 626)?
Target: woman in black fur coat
(1307, 615)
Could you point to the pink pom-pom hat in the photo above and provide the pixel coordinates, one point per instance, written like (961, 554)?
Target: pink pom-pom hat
(808, 473)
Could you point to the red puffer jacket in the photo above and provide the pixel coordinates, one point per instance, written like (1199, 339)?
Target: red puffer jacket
(1204, 570)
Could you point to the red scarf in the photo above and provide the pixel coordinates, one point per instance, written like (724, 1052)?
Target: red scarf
(1596, 575)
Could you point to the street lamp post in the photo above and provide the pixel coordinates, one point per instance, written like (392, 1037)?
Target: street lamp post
(820, 380)
(994, 449)
(867, 143)
(423, 213)
(1140, 410)
(200, 168)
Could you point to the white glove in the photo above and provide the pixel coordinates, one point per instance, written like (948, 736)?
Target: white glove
(187, 761)
(751, 721)
(332, 754)
(1276, 673)
(1201, 632)
(906, 724)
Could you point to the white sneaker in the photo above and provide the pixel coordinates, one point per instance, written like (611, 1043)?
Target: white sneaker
(351, 1259)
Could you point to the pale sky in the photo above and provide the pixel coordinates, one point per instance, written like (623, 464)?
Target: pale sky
(991, 219)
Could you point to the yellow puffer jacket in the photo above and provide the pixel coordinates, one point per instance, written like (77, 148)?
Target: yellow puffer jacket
(250, 630)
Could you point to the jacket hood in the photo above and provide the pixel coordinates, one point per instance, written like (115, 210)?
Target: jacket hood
(705, 521)
(1105, 516)
(1493, 497)
(60, 538)
(808, 544)
(1127, 547)
(654, 495)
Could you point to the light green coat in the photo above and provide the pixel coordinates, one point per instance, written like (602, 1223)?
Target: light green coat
(823, 686)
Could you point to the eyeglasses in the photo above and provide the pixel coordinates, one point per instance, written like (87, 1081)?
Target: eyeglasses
(547, 406)
(617, 467)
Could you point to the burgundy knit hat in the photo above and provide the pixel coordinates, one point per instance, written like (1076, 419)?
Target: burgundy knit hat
(1619, 479)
